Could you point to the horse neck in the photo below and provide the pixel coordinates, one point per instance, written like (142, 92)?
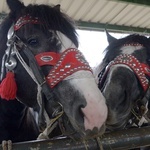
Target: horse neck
(66, 43)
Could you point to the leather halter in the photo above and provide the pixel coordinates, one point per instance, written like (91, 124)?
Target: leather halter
(65, 64)
(140, 69)
(25, 20)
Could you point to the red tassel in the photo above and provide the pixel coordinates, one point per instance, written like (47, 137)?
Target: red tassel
(8, 87)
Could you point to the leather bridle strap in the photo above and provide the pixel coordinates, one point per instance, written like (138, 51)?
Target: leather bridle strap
(64, 64)
(56, 107)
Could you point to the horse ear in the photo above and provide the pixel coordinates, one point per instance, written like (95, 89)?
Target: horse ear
(15, 5)
(110, 38)
(57, 7)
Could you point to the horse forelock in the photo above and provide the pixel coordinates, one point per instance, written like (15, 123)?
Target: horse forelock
(4, 27)
(51, 19)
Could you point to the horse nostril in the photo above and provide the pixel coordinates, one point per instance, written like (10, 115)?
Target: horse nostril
(80, 112)
(79, 115)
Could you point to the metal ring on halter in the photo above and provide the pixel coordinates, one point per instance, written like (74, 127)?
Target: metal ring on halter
(10, 50)
(10, 32)
(11, 63)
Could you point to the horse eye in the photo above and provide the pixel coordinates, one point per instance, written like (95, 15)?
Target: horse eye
(32, 42)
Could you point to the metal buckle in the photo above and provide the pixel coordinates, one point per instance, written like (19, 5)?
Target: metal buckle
(10, 32)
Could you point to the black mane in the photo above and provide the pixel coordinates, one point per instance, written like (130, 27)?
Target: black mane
(113, 48)
(4, 27)
(50, 17)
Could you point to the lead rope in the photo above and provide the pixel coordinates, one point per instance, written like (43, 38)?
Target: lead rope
(50, 127)
(39, 99)
(99, 143)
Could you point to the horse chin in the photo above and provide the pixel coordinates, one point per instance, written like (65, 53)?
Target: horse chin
(68, 126)
(88, 134)
(95, 132)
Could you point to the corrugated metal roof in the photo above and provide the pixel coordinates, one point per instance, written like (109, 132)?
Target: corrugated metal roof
(99, 14)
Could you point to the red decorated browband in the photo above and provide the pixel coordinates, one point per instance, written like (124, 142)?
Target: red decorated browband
(64, 64)
(24, 20)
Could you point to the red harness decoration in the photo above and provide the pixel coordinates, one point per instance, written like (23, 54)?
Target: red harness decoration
(140, 69)
(65, 64)
(24, 20)
(47, 58)
(8, 87)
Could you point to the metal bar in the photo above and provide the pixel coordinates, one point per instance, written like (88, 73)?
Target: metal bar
(118, 140)
(101, 27)
(140, 2)
(110, 27)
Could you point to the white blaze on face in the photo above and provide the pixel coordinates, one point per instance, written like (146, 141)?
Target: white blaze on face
(130, 49)
(95, 112)
(66, 42)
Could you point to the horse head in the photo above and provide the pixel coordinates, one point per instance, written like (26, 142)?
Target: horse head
(49, 69)
(124, 80)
